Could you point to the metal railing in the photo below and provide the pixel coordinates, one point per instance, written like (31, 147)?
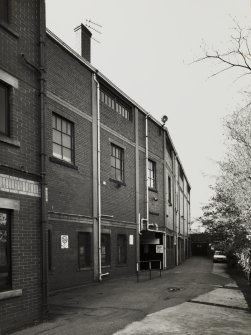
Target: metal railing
(150, 269)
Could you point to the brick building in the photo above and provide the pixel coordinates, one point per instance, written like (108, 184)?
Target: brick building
(22, 36)
(90, 182)
(120, 194)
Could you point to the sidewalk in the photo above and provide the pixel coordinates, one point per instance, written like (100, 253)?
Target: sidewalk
(185, 300)
(223, 311)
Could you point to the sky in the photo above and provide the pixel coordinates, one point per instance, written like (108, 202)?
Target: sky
(148, 48)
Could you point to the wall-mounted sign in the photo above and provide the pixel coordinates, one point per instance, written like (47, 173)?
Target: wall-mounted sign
(131, 240)
(64, 241)
(3, 219)
(159, 249)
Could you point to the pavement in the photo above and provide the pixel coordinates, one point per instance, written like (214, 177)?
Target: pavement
(195, 298)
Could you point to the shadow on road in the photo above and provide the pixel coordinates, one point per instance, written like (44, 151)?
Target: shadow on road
(242, 283)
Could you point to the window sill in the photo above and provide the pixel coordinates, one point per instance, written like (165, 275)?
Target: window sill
(7, 28)
(10, 294)
(153, 189)
(9, 140)
(61, 162)
(118, 182)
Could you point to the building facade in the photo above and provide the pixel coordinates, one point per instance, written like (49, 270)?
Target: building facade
(118, 193)
(22, 30)
(91, 186)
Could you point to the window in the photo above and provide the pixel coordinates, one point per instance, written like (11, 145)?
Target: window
(105, 249)
(169, 191)
(62, 138)
(84, 250)
(116, 105)
(188, 193)
(151, 174)
(117, 162)
(172, 242)
(122, 249)
(5, 257)
(4, 109)
(4, 10)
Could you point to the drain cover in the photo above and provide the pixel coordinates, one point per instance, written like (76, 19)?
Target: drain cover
(173, 289)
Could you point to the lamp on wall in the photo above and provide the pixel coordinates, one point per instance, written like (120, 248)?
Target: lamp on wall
(164, 120)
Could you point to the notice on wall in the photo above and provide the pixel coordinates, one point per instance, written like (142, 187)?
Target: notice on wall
(64, 241)
(159, 249)
(3, 219)
(131, 240)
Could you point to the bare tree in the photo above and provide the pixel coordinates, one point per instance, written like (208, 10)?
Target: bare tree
(237, 56)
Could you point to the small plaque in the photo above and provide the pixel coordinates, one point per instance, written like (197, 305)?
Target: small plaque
(64, 242)
(159, 249)
(3, 219)
(131, 240)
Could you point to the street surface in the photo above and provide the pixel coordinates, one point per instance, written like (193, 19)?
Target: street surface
(198, 297)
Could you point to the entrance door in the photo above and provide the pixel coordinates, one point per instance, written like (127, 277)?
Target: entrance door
(4, 249)
(149, 249)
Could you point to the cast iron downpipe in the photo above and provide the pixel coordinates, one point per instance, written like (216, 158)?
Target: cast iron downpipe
(100, 274)
(44, 190)
(146, 157)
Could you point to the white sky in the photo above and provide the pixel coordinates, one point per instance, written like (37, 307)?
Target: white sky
(147, 48)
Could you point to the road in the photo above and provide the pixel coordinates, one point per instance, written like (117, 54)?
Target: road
(197, 297)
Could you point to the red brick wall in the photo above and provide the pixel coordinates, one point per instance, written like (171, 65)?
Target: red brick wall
(25, 246)
(21, 35)
(117, 200)
(68, 78)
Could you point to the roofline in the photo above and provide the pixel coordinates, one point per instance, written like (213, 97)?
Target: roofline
(109, 82)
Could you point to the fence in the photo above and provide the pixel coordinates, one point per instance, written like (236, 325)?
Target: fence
(150, 269)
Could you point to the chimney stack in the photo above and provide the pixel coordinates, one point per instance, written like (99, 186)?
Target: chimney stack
(85, 41)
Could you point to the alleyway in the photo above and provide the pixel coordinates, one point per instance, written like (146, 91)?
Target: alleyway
(198, 297)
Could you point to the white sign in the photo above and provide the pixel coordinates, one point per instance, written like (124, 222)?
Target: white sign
(3, 219)
(131, 239)
(64, 241)
(159, 249)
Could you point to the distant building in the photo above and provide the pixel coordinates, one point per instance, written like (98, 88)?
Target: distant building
(90, 183)
(197, 227)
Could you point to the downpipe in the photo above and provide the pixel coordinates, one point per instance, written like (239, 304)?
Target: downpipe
(146, 158)
(44, 190)
(100, 274)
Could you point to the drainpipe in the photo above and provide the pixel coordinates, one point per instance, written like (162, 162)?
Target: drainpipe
(99, 184)
(44, 189)
(147, 192)
(175, 227)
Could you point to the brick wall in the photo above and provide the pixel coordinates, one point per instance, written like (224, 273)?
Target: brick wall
(118, 200)
(20, 162)
(68, 78)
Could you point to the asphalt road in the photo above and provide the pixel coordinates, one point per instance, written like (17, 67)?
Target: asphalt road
(195, 294)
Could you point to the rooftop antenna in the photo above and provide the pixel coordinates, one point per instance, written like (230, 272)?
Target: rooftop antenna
(89, 24)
